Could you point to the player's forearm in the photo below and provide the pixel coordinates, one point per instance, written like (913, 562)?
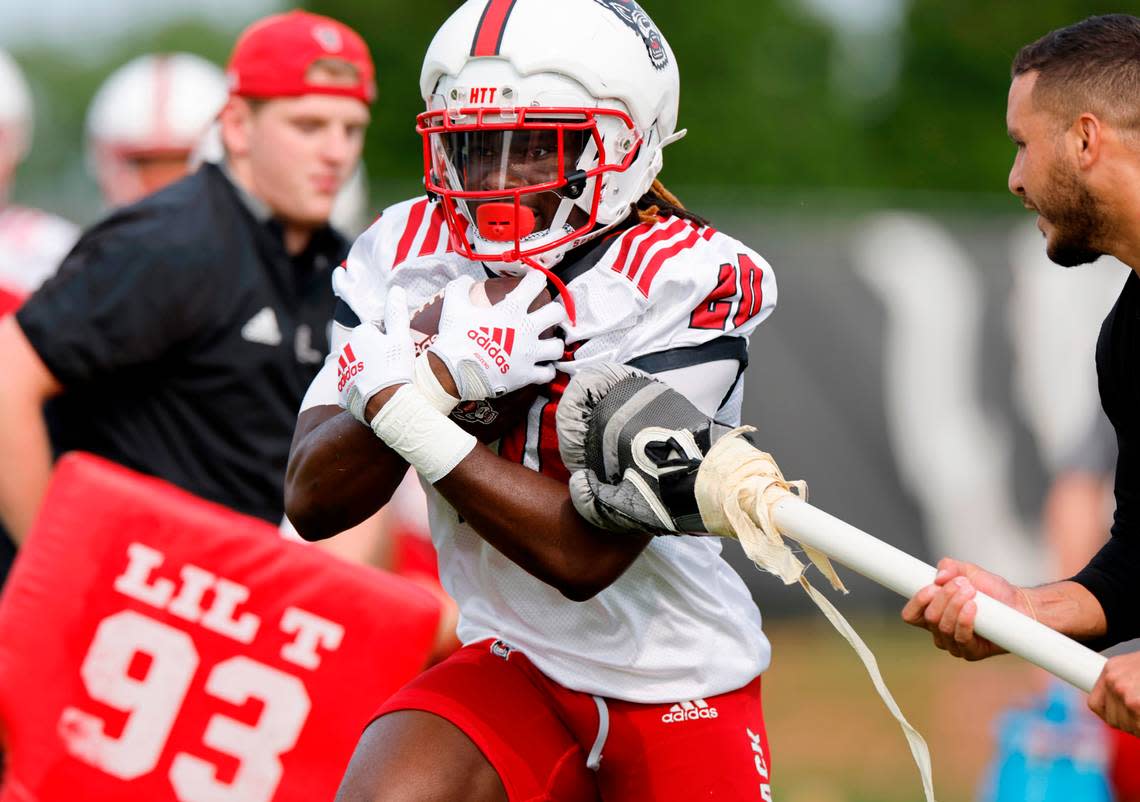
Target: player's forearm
(1068, 608)
(25, 463)
(338, 475)
(530, 519)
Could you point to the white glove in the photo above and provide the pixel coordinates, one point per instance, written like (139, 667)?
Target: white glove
(494, 350)
(373, 359)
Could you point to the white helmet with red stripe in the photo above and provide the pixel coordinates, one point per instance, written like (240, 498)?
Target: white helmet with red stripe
(15, 113)
(155, 107)
(545, 122)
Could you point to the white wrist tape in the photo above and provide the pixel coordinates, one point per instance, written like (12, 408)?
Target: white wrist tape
(424, 379)
(421, 434)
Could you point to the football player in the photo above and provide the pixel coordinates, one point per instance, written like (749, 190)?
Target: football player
(32, 242)
(595, 665)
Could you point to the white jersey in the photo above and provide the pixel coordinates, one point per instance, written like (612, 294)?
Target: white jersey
(676, 299)
(32, 245)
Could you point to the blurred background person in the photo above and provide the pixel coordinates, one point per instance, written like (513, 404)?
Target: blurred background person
(1053, 748)
(146, 119)
(1079, 505)
(181, 332)
(1078, 515)
(32, 242)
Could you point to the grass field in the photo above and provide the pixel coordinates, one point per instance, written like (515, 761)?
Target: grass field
(832, 740)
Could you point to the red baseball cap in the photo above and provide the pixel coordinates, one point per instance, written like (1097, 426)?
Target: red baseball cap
(272, 58)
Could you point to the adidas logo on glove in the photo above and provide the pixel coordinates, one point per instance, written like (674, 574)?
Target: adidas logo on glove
(349, 367)
(689, 711)
(498, 343)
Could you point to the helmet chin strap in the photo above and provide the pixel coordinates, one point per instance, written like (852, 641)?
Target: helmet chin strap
(567, 298)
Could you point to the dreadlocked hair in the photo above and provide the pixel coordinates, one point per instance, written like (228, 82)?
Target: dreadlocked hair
(660, 202)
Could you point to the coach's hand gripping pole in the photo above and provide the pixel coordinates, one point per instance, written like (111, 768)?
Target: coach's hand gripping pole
(906, 575)
(742, 494)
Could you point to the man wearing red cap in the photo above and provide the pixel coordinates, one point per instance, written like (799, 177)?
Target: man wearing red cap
(179, 336)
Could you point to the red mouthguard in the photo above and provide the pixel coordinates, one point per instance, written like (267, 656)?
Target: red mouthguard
(504, 222)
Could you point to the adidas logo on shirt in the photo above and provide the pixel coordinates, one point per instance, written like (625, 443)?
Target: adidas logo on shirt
(689, 711)
(347, 367)
(498, 343)
(262, 328)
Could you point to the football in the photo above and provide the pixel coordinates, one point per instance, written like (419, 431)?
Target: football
(490, 419)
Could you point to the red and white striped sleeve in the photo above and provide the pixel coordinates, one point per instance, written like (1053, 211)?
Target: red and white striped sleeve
(403, 234)
(697, 284)
(705, 293)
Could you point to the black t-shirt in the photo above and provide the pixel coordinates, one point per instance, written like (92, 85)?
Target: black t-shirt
(185, 337)
(1112, 575)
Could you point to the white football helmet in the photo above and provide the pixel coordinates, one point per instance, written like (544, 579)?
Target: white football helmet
(545, 122)
(15, 113)
(153, 107)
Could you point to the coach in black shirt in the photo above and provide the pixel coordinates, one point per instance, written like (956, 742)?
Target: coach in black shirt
(181, 333)
(1073, 117)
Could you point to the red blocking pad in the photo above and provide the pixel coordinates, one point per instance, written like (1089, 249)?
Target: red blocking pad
(157, 646)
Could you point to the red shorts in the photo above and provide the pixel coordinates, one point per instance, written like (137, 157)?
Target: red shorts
(556, 745)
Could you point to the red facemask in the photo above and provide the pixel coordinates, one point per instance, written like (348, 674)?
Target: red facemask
(518, 177)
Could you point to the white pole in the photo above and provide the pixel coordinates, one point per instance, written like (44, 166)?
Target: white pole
(906, 575)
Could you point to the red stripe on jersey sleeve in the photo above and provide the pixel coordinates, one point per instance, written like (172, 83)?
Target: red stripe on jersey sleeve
(415, 217)
(667, 232)
(627, 242)
(436, 224)
(708, 233)
(661, 257)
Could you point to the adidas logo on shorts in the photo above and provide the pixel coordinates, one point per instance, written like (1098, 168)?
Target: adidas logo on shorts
(689, 711)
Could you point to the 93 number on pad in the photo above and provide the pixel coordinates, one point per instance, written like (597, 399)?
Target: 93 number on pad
(165, 662)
